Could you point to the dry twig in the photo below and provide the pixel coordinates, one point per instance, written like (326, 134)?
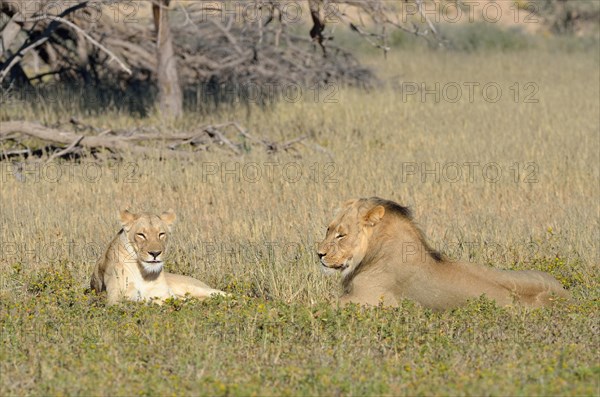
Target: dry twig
(155, 144)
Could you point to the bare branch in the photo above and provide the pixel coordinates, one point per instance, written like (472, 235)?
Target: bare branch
(66, 150)
(94, 42)
(28, 46)
(18, 56)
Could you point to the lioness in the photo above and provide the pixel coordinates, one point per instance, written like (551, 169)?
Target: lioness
(383, 257)
(132, 267)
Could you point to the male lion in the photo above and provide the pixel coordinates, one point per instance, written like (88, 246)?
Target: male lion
(132, 267)
(383, 257)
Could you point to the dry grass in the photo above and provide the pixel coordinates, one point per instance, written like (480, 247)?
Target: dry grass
(257, 238)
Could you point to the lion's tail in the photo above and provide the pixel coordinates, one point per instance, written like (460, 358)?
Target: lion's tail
(533, 287)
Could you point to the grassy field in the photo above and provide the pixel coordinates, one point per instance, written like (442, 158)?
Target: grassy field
(510, 181)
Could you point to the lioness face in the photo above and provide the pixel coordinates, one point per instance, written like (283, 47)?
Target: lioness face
(148, 235)
(347, 238)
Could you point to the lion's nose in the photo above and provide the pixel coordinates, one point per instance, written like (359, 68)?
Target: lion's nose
(154, 254)
(321, 255)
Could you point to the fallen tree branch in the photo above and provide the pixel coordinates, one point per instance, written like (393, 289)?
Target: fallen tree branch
(157, 145)
(112, 143)
(213, 132)
(65, 151)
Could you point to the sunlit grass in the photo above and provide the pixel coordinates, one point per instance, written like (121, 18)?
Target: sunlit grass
(249, 225)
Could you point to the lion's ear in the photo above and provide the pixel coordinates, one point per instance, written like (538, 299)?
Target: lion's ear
(345, 205)
(348, 203)
(126, 217)
(374, 215)
(168, 217)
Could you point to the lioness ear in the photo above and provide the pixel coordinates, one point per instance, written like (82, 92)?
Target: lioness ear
(168, 217)
(374, 215)
(126, 219)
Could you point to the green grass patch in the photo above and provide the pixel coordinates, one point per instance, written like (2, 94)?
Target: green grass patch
(60, 339)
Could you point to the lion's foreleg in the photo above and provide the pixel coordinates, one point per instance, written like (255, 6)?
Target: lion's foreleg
(113, 292)
(182, 285)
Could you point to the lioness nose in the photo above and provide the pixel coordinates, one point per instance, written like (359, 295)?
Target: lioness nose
(320, 254)
(154, 253)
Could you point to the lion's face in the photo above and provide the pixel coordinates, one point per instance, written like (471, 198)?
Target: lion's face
(148, 235)
(347, 239)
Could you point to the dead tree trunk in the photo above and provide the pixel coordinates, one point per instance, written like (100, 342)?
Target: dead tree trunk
(170, 97)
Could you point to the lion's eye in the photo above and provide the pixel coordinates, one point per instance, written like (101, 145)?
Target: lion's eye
(162, 235)
(340, 236)
(141, 235)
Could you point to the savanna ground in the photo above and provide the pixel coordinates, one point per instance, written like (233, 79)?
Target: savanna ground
(511, 183)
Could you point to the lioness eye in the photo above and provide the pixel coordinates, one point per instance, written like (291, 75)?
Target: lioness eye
(340, 236)
(162, 235)
(141, 235)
